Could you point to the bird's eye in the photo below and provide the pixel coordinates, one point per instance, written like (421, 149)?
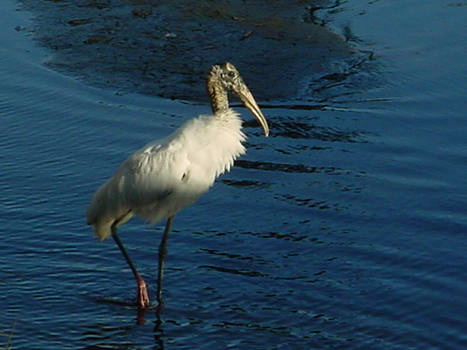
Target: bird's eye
(231, 74)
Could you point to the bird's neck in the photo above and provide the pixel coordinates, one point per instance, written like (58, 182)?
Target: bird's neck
(218, 95)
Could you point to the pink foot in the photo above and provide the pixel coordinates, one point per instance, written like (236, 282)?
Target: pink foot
(143, 298)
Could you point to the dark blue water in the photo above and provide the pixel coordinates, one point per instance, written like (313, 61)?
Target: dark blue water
(346, 229)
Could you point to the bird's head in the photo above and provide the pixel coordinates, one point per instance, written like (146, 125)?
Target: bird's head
(226, 77)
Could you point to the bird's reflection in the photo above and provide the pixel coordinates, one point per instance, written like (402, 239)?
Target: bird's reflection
(140, 316)
(158, 331)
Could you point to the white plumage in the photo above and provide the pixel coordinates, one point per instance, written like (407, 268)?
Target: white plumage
(168, 175)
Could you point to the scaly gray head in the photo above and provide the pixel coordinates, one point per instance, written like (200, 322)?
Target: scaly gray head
(224, 78)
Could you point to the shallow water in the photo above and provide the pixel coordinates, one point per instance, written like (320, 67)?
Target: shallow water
(345, 229)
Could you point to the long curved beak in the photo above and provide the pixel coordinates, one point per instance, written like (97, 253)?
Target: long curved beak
(249, 101)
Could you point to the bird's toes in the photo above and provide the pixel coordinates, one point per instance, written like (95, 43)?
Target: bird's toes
(143, 298)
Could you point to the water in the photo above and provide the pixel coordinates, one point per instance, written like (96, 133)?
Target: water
(343, 230)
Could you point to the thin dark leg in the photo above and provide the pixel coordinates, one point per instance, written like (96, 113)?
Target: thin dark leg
(143, 299)
(124, 252)
(162, 256)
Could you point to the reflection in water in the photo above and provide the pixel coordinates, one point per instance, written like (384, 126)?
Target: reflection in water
(233, 271)
(103, 336)
(288, 168)
(291, 128)
(245, 183)
(158, 331)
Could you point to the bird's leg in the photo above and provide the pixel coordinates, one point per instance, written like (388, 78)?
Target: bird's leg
(162, 255)
(143, 298)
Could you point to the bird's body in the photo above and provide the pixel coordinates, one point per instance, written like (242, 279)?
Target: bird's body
(168, 175)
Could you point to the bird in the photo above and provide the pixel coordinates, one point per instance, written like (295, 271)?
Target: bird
(170, 174)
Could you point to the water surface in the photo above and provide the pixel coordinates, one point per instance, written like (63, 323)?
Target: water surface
(345, 229)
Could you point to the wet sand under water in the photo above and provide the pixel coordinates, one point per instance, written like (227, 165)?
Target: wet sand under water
(164, 48)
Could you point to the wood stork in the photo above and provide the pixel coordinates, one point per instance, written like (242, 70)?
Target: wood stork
(168, 175)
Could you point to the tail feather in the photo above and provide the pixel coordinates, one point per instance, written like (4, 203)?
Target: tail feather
(105, 211)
